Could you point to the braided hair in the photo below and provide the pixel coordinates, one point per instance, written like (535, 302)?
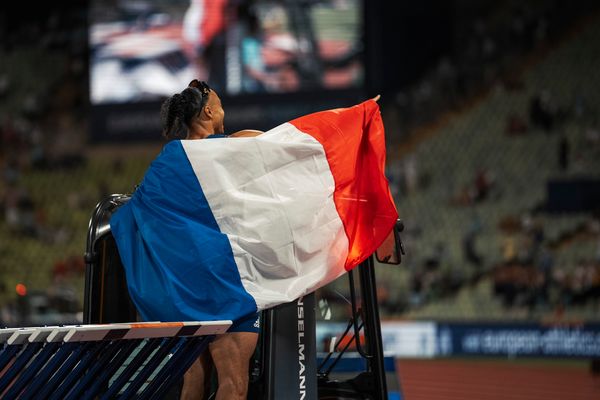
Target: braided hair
(178, 111)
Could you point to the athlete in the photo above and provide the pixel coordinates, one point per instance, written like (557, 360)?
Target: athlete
(194, 114)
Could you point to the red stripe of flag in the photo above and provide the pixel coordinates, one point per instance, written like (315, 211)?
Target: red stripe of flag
(354, 143)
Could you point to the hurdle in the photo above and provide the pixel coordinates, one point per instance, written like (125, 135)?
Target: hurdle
(103, 361)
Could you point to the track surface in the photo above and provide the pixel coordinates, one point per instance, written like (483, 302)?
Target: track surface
(496, 380)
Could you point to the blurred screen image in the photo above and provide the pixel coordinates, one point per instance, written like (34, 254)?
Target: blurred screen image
(146, 50)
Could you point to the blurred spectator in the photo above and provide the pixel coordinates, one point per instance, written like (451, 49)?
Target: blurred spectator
(255, 76)
(563, 152)
(417, 296)
(71, 266)
(484, 181)
(477, 191)
(437, 257)
(592, 136)
(516, 125)
(202, 33)
(470, 252)
(20, 211)
(411, 173)
(543, 111)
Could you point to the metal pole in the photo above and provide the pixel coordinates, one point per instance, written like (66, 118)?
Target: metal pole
(373, 327)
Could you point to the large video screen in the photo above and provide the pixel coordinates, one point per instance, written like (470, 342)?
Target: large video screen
(146, 50)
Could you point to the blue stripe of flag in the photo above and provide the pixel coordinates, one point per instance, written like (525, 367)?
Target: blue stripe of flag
(179, 265)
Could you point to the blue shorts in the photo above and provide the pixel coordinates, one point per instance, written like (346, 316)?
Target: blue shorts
(250, 323)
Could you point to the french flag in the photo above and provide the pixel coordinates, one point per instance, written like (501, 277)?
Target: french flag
(221, 228)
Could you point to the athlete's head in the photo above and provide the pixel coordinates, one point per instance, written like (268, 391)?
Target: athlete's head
(194, 113)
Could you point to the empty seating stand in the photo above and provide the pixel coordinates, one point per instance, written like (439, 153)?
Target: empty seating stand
(106, 361)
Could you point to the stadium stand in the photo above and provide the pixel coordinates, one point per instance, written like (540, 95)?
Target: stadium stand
(476, 208)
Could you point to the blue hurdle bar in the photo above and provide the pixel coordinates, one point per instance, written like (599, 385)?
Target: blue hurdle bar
(130, 360)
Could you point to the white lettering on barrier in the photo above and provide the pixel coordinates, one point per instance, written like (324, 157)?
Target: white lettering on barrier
(301, 356)
(553, 342)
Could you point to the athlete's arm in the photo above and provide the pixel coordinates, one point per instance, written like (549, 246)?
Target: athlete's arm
(254, 132)
(246, 133)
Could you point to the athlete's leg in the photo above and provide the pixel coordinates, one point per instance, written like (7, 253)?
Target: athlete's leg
(231, 353)
(197, 379)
